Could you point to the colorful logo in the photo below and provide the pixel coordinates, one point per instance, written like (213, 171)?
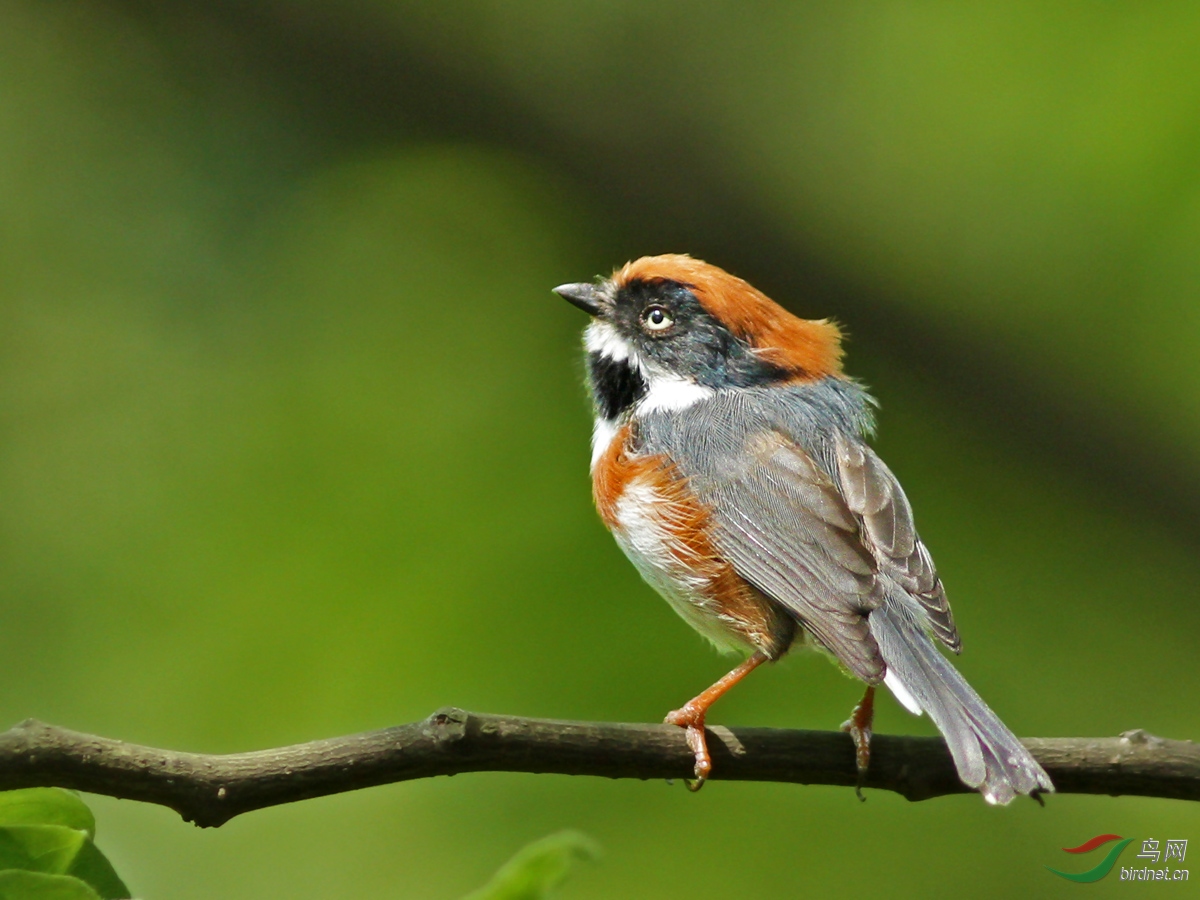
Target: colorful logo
(1106, 864)
(1173, 850)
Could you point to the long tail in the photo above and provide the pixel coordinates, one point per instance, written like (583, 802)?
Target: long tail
(987, 755)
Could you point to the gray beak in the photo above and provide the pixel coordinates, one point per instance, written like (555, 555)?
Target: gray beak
(585, 296)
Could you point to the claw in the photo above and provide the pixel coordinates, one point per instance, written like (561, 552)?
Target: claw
(691, 716)
(693, 720)
(859, 728)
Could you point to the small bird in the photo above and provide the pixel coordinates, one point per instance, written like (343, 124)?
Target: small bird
(729, 460)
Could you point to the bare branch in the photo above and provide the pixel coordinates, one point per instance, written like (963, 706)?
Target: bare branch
(211, 789)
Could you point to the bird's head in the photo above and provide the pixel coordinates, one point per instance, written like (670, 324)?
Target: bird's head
(669, 330)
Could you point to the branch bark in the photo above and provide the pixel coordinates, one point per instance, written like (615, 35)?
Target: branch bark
(210, 789)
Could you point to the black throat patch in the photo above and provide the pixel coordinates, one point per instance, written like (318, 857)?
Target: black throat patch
(616, 385)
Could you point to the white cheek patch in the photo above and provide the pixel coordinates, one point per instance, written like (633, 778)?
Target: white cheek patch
(670, 392)
(665, 391)
(602, 338)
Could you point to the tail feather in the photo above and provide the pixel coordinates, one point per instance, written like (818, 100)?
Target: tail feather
(987, 755)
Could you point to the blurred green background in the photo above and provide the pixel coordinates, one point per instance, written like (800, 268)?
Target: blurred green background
(293, 439)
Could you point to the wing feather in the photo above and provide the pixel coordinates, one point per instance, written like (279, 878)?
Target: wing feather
(783, 524)
(875, 496)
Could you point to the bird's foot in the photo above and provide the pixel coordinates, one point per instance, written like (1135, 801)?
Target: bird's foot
(692, 719)
(691, 716)
(859, 728)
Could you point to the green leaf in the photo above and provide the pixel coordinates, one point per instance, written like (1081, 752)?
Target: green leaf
(40, 848)
(46, 806)
(55, 850)
(51, 831)
(538, 868)
(17, 885)
(92, 866)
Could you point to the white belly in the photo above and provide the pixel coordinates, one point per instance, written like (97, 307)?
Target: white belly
(662, 560)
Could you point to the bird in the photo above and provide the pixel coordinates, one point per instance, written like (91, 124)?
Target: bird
(730, 460)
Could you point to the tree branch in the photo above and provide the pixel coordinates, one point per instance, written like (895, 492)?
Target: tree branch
(211, 789)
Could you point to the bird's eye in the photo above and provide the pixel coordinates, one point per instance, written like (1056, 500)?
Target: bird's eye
(656, 319)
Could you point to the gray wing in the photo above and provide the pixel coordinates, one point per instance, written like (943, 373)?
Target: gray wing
(875, 497)
(784, 525)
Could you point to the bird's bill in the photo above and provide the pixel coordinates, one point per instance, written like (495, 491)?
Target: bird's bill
(585, 296)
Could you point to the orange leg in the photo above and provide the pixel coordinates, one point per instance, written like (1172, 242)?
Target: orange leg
(691, 716)
(859, 726)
